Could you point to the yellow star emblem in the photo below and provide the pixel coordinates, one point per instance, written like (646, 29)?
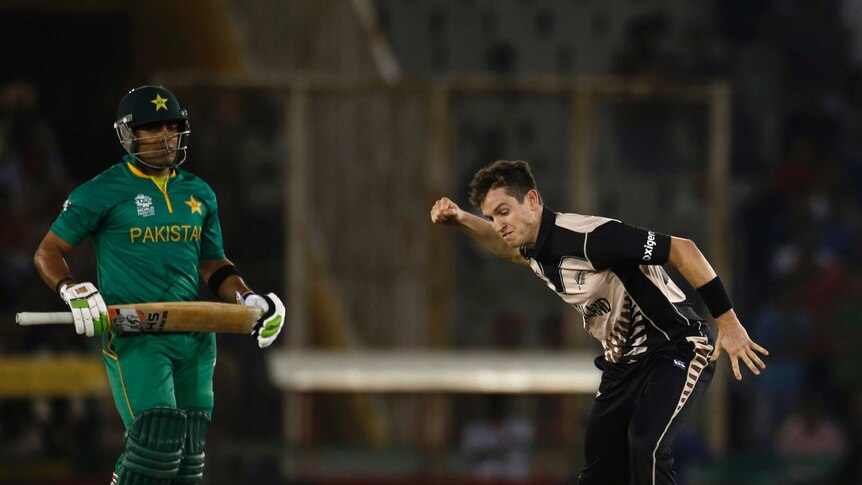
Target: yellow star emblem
(160, 102)
(195, 205)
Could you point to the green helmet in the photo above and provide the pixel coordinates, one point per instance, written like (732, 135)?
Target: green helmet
(146, 105)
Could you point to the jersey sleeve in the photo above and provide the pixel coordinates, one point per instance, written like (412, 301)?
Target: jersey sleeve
(615, 243)
(80, 216)
(211, 237)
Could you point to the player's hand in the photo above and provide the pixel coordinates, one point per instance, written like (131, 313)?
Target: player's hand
(88, 308)
(269, 326)
(734, 339)
(446, 212)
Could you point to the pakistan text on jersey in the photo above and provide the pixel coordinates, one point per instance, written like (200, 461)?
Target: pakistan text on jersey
(168, 233)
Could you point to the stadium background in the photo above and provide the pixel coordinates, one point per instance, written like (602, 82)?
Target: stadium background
(328, 128)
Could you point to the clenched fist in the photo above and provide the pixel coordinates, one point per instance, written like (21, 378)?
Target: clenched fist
(446, 212)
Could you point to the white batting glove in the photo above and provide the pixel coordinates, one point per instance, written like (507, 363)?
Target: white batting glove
(269, 326)
(88, 308)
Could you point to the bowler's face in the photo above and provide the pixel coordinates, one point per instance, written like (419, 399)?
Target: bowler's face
(517, 222)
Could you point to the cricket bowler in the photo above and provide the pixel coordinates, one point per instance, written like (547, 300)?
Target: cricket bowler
(658, 354)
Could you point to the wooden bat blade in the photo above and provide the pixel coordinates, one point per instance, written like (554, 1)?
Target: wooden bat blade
(195, 316)
(198, 316)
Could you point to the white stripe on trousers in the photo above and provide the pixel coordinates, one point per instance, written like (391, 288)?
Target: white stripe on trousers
(702, 349)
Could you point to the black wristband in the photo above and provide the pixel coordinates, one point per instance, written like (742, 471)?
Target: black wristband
(61, 283)
(715, 297)
(219, 276)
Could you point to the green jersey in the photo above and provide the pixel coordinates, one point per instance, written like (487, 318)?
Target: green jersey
(148, 240)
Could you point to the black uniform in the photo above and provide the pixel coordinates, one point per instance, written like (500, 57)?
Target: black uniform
(656, 347)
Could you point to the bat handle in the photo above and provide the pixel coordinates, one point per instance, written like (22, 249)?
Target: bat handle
(43, 318)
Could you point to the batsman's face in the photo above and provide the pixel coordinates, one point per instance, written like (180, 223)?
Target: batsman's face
(517, 222)
(157, 144)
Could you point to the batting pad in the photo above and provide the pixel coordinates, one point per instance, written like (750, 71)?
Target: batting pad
(154, 447)
(192, 464)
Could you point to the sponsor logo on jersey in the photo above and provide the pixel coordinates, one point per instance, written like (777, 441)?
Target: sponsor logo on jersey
(166, 233)
(679, 363)
(649, 246)
(594, 309)
(66, 205)
(144, 203)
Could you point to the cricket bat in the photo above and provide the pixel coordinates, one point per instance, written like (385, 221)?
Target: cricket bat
(192, 316)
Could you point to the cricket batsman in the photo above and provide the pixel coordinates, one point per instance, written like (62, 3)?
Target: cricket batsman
(155, 230)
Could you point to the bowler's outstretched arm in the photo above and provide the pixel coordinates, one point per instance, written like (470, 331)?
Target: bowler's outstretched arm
(447, 212)
(732, 336)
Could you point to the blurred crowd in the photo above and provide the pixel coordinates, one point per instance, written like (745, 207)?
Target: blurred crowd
(34, 181)
(799, 263)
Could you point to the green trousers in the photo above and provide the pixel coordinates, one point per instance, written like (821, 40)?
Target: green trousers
(160, 369)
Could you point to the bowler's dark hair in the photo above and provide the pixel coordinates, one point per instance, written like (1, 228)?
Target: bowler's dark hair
(514, 176)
